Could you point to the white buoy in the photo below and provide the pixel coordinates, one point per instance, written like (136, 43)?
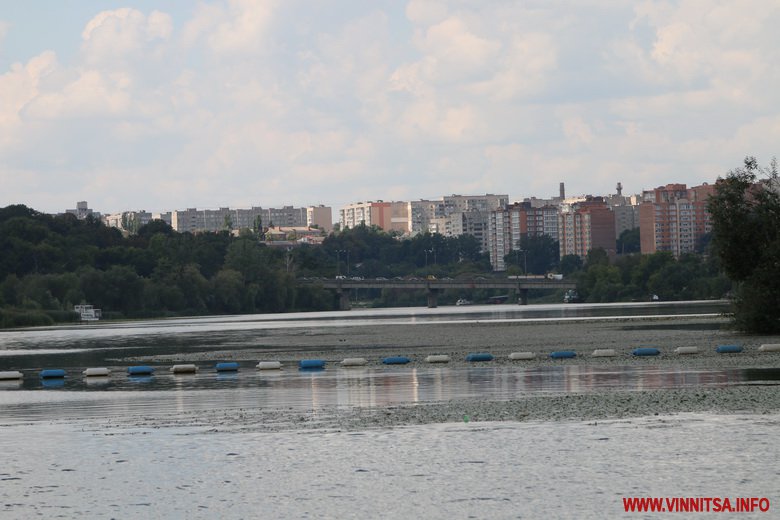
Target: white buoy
(437, 358)
(269, 365)
(98, 371)
(522, 355)
(604, 352)
(184, 369)
(686, 350)
(10, 374)
(770, 347)
(354, 362)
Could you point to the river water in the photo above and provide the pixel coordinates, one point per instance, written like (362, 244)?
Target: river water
(80, 448)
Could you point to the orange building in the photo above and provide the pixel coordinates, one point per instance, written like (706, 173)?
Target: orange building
(674, 218)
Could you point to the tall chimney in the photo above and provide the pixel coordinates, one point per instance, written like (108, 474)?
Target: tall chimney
(619, 188)
(563, 191)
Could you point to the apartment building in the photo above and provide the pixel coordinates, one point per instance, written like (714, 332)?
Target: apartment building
(422, 213)
(586, 225)
(82, 211)
(469, 203)
(320, 216)
(508, 225)
(674, 218)
(193, 220)
(389, 216)
(129, 221)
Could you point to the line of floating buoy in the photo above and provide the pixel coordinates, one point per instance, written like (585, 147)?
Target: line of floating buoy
(314, 364)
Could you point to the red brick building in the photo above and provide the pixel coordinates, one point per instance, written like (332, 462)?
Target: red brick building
(586, 225)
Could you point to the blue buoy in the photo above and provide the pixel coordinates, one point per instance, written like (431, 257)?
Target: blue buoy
(140, 370)
(230, 366)
(563, 354)
(395, 360)
(311, 364)
(646, 351)
(479, 356)
(728, 349)
(52, 373)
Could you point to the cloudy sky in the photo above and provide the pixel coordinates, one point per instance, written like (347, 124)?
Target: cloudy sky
(169, 104)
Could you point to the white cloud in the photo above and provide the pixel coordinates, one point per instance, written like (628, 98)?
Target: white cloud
(243, 102)
(235, 26)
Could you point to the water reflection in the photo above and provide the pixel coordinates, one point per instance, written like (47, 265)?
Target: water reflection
(341, 387)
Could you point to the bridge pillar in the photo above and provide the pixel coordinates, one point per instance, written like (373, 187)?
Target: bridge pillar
(433, 298)
(344, 304)
(523, 297)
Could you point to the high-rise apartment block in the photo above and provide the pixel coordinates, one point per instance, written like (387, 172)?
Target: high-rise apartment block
(422, 213)
(586, 225)
(508, 225)
(674, 218)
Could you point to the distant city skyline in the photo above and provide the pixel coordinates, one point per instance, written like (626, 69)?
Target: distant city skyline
(168, 104)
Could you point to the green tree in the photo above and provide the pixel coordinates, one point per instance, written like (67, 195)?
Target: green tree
(628, 242)
(745, 212)
(539, 253)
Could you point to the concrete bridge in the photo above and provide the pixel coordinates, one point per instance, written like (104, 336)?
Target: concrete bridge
(343, 286)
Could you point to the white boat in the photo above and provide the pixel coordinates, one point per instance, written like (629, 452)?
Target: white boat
(88, 312)
(463, 301)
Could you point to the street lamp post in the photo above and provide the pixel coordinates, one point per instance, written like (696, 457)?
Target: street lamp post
(525, 259)
(338, 261)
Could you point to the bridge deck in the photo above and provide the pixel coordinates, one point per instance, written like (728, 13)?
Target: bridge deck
(496, 283)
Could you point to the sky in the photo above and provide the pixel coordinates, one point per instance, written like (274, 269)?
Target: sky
(173, 104)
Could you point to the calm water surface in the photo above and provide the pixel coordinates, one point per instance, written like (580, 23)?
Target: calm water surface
(63, 460)
(475, 470)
